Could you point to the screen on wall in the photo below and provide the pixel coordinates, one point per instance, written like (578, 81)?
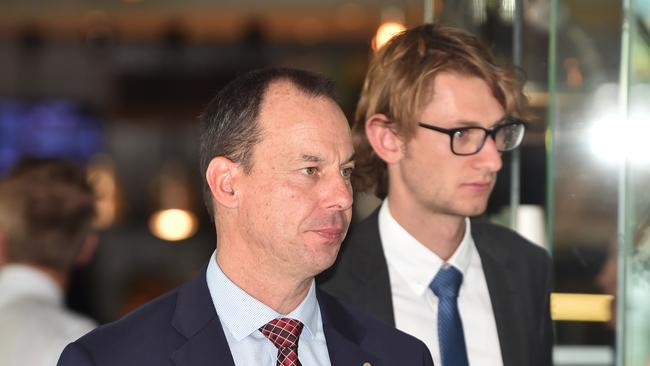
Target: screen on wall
(47, 129)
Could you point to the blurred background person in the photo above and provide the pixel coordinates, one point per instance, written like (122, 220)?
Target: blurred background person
(46, 214)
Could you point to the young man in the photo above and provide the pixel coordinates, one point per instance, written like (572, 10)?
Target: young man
(435, 114)
(277, 156)
(46, 212)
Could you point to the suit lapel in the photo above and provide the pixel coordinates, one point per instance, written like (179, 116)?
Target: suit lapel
(372, 269)
(343, 333)
(197, 320)
(503, 295)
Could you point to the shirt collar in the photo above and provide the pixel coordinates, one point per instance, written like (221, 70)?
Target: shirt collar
(243, 314)
(20, 280)
(411, 259)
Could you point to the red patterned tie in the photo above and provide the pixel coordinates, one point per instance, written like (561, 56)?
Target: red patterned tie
(284, 333)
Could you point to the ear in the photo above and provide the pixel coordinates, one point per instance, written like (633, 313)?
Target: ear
(219, 176)
(87, 250)
(383, 139)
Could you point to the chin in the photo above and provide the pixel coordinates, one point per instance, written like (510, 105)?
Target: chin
(474, 210)
(323, 261)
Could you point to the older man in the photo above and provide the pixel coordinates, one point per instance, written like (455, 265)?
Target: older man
(277, 157)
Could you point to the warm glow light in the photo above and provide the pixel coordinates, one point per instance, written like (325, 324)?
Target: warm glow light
(612, 140)
(173, 224)
(385, 32)
(581, 307)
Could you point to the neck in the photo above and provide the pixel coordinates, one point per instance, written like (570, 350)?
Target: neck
(280, 291)
(440, 233)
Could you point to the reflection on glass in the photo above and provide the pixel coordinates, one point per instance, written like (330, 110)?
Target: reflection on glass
(636, 337)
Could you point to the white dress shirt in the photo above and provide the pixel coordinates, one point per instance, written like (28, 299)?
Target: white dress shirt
(242, 315)
(412, 267)
(34, 324)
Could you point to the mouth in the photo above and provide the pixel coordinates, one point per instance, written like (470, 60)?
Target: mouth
(479, 186)
(330, 233)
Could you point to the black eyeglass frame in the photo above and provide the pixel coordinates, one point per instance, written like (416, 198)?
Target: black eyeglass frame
(506, 122)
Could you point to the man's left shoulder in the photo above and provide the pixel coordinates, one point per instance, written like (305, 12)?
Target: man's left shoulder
(390, 345)
(501, 238)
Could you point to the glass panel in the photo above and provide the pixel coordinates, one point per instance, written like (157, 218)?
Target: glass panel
(583, 87)
(635, 339)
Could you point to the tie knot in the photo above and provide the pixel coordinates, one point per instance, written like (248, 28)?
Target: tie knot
(283, 332)
(447, 282)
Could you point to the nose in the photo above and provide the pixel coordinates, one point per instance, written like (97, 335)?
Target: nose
(338, 193)
(489, 157)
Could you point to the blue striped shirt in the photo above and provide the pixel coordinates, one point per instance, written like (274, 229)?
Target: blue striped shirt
(241, 316)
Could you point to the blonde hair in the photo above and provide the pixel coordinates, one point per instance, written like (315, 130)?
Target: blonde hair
(398, 85)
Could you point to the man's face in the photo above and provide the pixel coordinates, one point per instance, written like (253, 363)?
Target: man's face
(296, 202)
(430, 175)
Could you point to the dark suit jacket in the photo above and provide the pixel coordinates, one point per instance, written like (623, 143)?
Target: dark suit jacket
(182, 328)
(517, 272)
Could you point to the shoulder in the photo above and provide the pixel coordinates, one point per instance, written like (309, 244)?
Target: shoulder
(504, 240)
(374, 335)
(143, 331)
(528, 266)
(50, 320)
(32, 324)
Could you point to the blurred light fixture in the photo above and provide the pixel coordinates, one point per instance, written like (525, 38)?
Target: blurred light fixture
(173, 224)
(581, 307)
(612, 140)
(385, 32)
(174, 219)
(392, 23)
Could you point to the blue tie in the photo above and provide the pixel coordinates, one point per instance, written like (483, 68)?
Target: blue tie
(450, 329)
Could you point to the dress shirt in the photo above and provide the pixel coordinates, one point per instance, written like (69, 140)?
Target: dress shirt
(412, 267)
(34, 324)
(242, 315)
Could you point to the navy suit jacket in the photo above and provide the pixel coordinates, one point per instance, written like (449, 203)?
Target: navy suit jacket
(182, 328)
(518, 275)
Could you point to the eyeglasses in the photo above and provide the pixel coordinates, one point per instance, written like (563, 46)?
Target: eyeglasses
(464, 141)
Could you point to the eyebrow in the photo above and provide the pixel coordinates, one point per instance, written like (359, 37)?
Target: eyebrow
(467, 123)
(317, 159)
(310, 158)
